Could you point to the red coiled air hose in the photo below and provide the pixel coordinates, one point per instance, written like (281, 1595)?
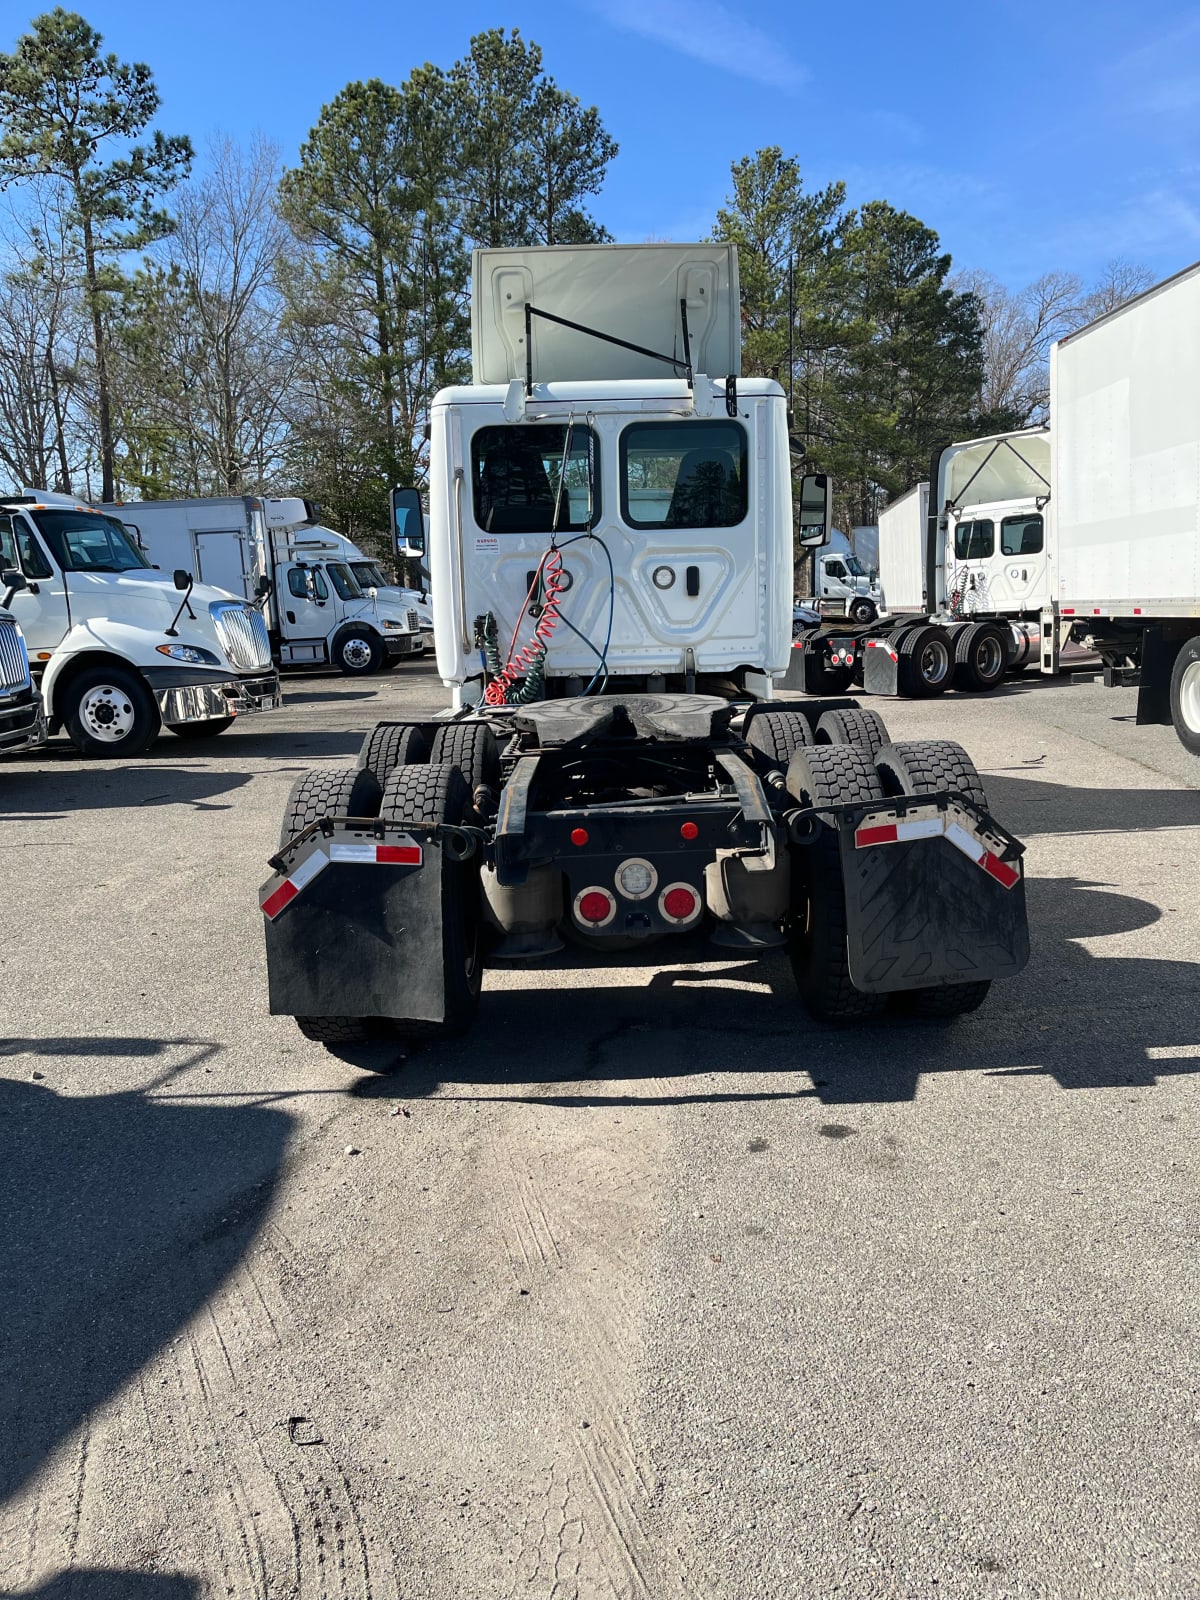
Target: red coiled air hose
(550, 573)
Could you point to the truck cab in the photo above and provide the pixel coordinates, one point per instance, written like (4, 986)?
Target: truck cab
(842, 578)
(324, 613)
(995, 558)
(119, 649)
(370, 575)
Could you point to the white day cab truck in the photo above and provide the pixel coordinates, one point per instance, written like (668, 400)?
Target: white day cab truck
(276, 555)
(118, 649)
(963, 578)
(611, 547)
(370, 575)
(844, 586)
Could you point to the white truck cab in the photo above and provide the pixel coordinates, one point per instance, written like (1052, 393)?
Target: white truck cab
(276, 555)
(842, 578)
(370, 576)
(119, 648)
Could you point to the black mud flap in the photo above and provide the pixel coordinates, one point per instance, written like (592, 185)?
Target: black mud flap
(354, 924)
(881, 668)
(935, 894)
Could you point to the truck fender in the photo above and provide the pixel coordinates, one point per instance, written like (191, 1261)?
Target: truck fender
(83, 647)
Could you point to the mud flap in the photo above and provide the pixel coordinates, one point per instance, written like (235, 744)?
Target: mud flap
(354, 925)
(933, 896)
(881, 668)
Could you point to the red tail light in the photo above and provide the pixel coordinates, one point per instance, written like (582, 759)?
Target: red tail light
(595, 908)
(679, 903)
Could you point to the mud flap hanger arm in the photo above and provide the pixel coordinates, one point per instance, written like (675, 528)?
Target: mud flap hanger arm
(464, 840)
(800, 819)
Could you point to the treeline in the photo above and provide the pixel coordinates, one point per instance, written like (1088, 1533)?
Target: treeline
(272, 327)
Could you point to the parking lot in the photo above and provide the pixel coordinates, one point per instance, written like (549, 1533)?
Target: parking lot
(650, 1286)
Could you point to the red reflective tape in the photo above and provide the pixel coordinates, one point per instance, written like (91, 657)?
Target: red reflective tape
(398, 855)
(1068, 611)
(1000, 870)
(284, 895)
(885, 833)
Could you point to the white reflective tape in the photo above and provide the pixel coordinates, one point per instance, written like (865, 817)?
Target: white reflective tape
(922, 828)
(353, 852)
(307, 870)
(966, 842)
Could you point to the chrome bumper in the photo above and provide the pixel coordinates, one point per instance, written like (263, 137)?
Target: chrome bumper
(205, 702)
(22, 727)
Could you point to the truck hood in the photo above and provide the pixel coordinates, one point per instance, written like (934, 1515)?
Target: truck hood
(147, 601)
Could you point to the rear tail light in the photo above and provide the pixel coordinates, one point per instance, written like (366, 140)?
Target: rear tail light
(595, 907)
(679, 903)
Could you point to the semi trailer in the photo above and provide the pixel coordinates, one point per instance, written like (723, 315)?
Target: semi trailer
(118, 649)
(274, 554)
(611, 545)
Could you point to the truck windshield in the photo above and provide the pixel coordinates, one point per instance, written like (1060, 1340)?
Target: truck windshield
(85, 541)
(855, 567)
(684, 474)
(343, 580)
(369, 575)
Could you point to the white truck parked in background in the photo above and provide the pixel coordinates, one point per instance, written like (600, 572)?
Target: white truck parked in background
(611, 545)
(1124, 546)
(274, 554)
(119, 649)
(843, 582)
(370, 575)
(22, 720)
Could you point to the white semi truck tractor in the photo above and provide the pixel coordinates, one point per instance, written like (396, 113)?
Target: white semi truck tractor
(119, 649)
(610, 541)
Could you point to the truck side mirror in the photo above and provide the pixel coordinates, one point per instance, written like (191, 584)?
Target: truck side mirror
(816, 509)
(10, 581)
(183, 579)
(408, 523)
(263, 586)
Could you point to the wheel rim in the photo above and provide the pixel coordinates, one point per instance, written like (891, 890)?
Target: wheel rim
(356, 653)
(107, 713)
(989, 657)
(935, 662)
(1189, 696)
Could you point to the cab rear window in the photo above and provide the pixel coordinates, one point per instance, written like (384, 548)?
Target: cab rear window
(530, 478)
(684, 475)
(975, 541)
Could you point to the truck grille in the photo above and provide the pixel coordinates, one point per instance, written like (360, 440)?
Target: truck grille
(243, 635)
(14, 663)
(414, 621)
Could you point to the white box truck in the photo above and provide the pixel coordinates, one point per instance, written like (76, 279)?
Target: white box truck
(275, 554)
(1124, 551)
(611, 547)
(118, 648)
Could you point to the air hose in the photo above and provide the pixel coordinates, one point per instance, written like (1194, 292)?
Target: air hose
(529, 662)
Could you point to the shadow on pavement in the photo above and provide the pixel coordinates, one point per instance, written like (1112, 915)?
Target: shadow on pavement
(1088, 1021)
(1028, 805)
(81, 1584)
(122, 1215)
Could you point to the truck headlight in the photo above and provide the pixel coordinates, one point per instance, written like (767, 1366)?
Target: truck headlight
(398, 625)
(189, 653)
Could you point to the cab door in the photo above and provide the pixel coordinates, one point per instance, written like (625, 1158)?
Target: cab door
(1020, 582)
(42, 608)
(305, 604)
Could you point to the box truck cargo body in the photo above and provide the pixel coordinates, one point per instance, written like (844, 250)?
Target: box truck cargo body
(1125, 516)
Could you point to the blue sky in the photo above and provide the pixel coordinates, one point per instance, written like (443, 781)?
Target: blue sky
(1031, 138)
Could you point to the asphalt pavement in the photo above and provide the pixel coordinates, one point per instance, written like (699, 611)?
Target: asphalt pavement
(650, 1287)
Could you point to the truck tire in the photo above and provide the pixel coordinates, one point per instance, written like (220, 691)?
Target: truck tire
(863, 611)
(391, 745)
(926, 662)
(926, 766)
(110, 711)
(862, 728)
(201, 730)
(830, 774)
(433, 794)
(774, 733)
(342, 792)
(1185, 696)
(472, 748)
(357, 652)
(980, 657)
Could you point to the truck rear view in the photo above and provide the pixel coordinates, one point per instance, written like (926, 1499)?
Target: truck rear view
(611, 548)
